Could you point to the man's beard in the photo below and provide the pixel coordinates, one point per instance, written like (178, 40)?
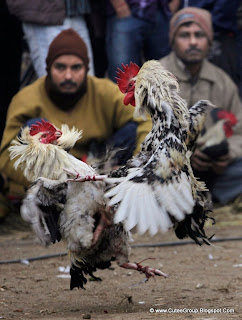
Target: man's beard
(192, 61)
(64, 100)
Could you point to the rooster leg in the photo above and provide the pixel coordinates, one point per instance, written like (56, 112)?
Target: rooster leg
(79, 178)
(90, 178)
(149, 272)
(103, 223)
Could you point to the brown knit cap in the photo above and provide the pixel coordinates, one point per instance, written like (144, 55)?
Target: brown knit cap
(190, 14)
(67, 42)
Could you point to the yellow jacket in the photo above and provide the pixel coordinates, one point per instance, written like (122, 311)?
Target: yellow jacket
(99, 113)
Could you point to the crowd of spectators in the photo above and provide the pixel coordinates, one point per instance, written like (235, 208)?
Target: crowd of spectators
(114, 32)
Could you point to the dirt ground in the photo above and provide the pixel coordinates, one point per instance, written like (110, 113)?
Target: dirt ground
(204, 282)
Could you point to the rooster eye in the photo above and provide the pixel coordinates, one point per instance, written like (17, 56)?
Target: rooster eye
(44, 136)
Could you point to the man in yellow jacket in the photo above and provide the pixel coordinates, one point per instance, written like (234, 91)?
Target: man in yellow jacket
(68, 95)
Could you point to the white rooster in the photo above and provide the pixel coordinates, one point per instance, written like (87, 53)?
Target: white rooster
(58, 208)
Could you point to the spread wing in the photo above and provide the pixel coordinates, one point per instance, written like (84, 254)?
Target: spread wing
(42, 206)
(154, 196)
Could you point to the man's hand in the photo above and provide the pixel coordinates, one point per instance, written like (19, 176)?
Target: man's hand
(121, 8)
(200, 161)
(221, 164)
(174, 5)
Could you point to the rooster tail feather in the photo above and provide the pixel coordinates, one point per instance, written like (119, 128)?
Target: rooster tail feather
(193, 226)
(79, 270)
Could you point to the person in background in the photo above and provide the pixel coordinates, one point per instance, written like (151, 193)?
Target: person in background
(239, 46)
(191, 36)
(96, 23)
(10, 55)
(43, 20)
(224, 51)
(136, 30)
(69, 95)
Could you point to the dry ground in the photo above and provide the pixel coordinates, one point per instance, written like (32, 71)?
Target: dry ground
(207, 277)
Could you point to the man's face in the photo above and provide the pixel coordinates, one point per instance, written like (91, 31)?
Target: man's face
(191, 44)
(68, 73)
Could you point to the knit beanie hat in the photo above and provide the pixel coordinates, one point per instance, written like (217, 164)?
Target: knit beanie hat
(191, 14)
(67, 42)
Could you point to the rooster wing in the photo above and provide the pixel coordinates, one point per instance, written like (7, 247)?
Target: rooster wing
(42, 206)
(153, 197)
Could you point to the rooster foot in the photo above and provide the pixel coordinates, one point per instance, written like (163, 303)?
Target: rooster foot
(79, 178)
(148, 271)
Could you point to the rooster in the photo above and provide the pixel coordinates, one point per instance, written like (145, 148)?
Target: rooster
(58, 208)
(214, 141)
(156, 189)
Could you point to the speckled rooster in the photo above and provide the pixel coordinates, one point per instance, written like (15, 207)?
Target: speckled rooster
(156, 189)
(58, 208)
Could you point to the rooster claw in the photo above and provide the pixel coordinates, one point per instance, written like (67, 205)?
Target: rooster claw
(151, 272)
(148, 271)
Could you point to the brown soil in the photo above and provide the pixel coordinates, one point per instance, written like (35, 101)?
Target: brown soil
(207, 277)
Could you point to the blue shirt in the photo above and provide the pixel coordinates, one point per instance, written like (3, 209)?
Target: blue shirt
(143, 9)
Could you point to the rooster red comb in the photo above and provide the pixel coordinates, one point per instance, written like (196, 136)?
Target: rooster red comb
(222, 114)
(229, 117)
(41, 126)
(123, 77)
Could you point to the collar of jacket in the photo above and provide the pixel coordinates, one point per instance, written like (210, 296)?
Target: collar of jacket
(206, 72)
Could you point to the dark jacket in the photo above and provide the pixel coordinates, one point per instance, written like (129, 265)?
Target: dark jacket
(223, 13)
(44, 12)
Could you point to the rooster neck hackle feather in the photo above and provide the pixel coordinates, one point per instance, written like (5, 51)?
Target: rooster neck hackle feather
(157, 92)
(68, 137)
(155, 85)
